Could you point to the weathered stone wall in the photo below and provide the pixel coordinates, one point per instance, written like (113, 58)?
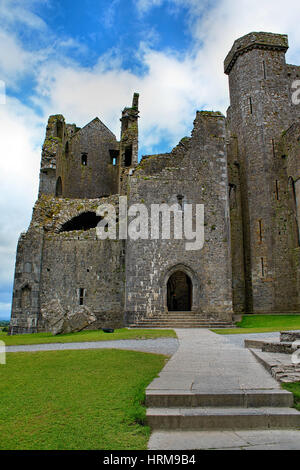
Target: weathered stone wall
(196, 170)
(260, 111)
(237, 234)
(26, 292)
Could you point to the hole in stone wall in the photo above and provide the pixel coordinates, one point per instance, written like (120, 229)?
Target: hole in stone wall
(84, 221)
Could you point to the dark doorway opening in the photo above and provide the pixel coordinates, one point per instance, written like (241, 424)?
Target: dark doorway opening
(179, 292)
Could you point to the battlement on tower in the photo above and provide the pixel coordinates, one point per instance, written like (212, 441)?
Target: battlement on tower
(269, 41)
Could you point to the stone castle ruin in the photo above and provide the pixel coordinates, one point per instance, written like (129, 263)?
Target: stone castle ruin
(244, 168)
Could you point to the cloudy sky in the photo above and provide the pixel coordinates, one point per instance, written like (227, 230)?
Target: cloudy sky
(85, 59)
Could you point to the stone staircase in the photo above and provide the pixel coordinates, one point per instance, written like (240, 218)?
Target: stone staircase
(237, 410)
(211, 384)
(180, 320)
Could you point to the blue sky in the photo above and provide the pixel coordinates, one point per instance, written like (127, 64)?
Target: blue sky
(85, 59)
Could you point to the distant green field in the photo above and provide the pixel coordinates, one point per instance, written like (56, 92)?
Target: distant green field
(75, 400)
(263, 324)
(87, 335)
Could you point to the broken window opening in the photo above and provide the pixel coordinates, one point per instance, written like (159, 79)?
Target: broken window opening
(84, 221)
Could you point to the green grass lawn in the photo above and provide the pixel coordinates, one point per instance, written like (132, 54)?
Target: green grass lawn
(75, 399)
(87, 335)
(295, 389)
(263, 324)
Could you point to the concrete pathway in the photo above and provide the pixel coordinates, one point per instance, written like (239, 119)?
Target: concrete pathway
(220, 391)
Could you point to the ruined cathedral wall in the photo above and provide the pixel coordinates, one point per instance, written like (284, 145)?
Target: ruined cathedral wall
(290, 151)
(196, 171)
(73, 267)
(86, 165)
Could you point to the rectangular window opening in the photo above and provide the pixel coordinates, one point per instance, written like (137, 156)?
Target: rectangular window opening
(81, 295)
(262, 267)
(273, 147)
(84, 159)
(260, 230)
(114, 156)
(250, 105)
(277, 190)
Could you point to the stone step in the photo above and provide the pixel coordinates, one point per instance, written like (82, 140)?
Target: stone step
(223, 418)
(180, 325)
(236, 398)
(289, 336)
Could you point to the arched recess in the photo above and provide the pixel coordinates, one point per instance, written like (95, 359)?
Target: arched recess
(58, 189)
(295, 206)
(190, 285)
(25, 300)
(84, 221)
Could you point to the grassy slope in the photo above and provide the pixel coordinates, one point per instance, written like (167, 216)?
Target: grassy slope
(89, 335)
(75, 399)
(263, 324)
(295, 389)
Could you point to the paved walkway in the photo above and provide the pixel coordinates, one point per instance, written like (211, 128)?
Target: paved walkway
(210, 365)
(206, 361)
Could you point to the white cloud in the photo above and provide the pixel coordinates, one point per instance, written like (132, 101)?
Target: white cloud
(143, 6)
(19, 170)
(20, 11)
(4, 306)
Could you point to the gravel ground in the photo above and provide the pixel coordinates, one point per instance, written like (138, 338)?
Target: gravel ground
(166, 346)
(238, 340)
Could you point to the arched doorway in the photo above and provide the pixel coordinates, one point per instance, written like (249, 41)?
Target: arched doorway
(179, 292)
